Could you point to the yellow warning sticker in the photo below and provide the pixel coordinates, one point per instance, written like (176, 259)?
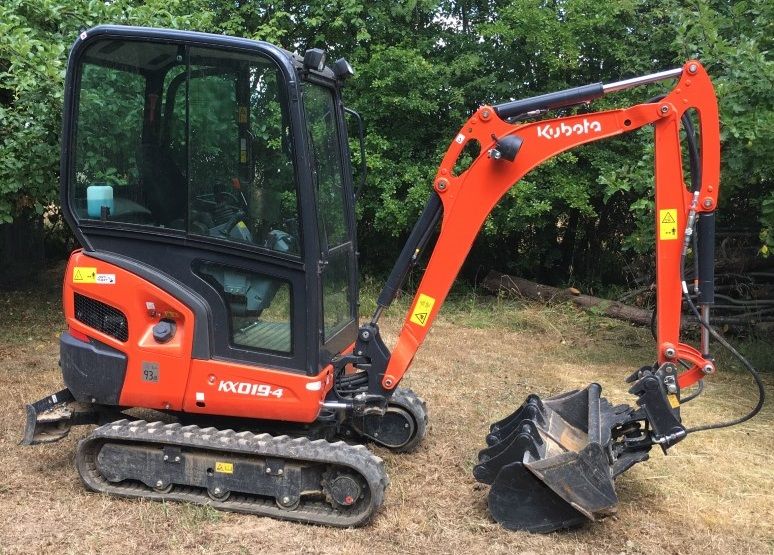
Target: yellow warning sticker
(242, 114)
(224, 467)
(674, 402)
(667, 224)
(422, 309)
(84, 275)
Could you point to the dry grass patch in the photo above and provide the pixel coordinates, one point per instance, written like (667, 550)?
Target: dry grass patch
(713, 494)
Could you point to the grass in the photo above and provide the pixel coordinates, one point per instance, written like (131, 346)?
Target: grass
(591, 336)
(34, 312)
(713, 494)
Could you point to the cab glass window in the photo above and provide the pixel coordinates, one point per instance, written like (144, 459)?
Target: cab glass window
(337, 250)
(188, 139)
(110, 135)
(259, 306)
(326, 164)
(336, 294)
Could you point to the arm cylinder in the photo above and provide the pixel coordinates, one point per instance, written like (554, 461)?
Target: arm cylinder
(578, 95)
(643, 80)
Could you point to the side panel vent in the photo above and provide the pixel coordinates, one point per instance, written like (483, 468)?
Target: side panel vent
(101, 317)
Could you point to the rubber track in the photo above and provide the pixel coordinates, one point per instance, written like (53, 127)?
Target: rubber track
(354, 457)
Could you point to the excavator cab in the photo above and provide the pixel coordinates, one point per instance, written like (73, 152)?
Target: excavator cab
(222, 168)
(208, 180)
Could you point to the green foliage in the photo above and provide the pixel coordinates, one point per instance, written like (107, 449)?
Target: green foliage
(34, 38)
(422, 66)
(110, 119)
(735, 40)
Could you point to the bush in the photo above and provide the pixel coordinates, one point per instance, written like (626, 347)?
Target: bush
(422, 67)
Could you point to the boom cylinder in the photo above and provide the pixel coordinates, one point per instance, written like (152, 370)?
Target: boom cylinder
(418, 238)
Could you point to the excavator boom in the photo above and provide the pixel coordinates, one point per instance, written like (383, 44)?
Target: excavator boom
(511, 150)
(551, 463)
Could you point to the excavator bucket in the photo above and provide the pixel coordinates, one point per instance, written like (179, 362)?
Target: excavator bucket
(551, 464)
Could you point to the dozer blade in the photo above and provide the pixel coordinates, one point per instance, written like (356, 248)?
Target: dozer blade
(551, 463)
(51, 418)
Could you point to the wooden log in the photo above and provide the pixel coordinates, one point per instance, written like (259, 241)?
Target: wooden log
(496, 282)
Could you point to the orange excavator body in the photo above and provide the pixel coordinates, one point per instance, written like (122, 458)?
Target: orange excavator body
(217, 285)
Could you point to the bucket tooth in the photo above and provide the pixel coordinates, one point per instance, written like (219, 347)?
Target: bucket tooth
(551, 463)
(516, 447)
(532, 409)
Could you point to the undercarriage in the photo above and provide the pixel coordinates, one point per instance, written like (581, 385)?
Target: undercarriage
(319, 482)
(318, 474)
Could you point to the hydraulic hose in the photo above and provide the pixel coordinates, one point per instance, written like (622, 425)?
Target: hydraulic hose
(695, 169)
(749, 367)
(692, 396)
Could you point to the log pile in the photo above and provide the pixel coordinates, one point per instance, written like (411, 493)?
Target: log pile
(744, 289)
(759, 313)
(497, 282)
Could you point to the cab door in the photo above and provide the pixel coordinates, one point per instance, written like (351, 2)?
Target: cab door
(326, 137)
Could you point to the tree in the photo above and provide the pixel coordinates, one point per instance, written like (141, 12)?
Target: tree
(735, 41)
(421, 67)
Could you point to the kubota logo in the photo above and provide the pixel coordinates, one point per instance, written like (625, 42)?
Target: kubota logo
(247, 388)
(549, 131)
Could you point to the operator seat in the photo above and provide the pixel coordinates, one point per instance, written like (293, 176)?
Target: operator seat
(164, 185)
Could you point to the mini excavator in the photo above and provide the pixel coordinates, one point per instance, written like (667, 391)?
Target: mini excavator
(212, 312)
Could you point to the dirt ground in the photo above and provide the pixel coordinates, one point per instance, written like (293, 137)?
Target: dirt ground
(712, 494)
